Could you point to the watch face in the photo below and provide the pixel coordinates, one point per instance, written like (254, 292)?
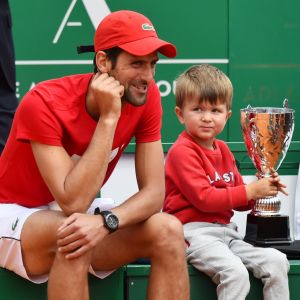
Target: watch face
(112, 222)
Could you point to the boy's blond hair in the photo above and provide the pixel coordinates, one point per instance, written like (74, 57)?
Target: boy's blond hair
(205, 82)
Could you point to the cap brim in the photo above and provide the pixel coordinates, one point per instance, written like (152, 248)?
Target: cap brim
(149, 45)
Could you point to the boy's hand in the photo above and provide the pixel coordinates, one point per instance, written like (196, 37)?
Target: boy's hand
(280, 186)
(265, 187)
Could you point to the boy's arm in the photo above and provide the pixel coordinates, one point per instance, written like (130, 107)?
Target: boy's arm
(239, 181)
(187, 170)
(188, 174)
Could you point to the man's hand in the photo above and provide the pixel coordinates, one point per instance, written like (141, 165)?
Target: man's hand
(80, 233)
(107, 93)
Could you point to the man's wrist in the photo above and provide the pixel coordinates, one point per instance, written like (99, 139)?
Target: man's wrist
(110, 220)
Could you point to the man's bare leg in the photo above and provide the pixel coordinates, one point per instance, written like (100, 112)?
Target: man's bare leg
(160, 238)
(169, 276)
(68, 279)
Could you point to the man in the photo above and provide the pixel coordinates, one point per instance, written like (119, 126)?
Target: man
(8, 99)
(67, 137)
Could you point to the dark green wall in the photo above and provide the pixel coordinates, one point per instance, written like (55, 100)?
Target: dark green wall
(257, 43)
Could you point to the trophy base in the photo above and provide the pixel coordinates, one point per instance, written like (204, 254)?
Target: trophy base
(268, 231)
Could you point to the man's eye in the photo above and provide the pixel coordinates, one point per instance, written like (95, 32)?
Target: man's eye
(137, 64)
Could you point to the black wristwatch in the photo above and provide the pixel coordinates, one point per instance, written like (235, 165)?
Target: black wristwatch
(111, 221)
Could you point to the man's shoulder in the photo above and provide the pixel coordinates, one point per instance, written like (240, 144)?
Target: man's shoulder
(64, 82)
(59, 91)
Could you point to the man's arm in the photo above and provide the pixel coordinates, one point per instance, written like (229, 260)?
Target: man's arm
(149, 162)
(147, 201)
(74, 184)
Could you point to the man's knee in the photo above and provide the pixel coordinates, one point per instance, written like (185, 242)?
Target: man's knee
(168, 233)
(79, 265)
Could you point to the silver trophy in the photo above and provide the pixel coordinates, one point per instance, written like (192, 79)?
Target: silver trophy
(267, 133)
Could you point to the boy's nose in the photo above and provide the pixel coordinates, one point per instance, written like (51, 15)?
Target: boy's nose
(205, 116)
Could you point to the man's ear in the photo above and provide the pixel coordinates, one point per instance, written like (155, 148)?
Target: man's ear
(102, 62)
(178, 112)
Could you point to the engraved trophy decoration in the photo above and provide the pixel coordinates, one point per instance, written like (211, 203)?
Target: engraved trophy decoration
(267, 133)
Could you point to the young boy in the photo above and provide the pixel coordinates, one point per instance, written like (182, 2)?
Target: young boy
(203, 186)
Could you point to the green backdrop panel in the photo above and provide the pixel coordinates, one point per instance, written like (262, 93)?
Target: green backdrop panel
(255, 43)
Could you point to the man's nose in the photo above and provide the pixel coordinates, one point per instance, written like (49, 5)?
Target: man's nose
(148, 73)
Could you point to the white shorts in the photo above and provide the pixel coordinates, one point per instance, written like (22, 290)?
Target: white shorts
(12, 219)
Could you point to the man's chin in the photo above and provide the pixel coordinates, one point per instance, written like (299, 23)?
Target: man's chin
(135, 101)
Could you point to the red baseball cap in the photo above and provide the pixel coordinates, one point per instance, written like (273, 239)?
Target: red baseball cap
(130, 31)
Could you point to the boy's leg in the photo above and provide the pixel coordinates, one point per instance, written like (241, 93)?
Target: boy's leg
(209, 254)
(267, 264)
(159, 238)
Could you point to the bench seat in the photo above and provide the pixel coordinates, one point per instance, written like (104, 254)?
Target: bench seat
(130, 283)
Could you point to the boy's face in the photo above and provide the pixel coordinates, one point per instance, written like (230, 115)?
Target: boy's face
(203, 121)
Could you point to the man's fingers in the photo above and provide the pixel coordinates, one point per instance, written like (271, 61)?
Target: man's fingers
(70, 247)
(67, 239)
(108, 83)
(78, 252)
(66, 223)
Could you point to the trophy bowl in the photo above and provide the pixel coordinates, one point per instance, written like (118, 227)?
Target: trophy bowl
(267, 133)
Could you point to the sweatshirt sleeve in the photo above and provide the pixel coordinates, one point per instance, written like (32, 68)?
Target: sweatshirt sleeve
(239, 181)
(187, 169)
